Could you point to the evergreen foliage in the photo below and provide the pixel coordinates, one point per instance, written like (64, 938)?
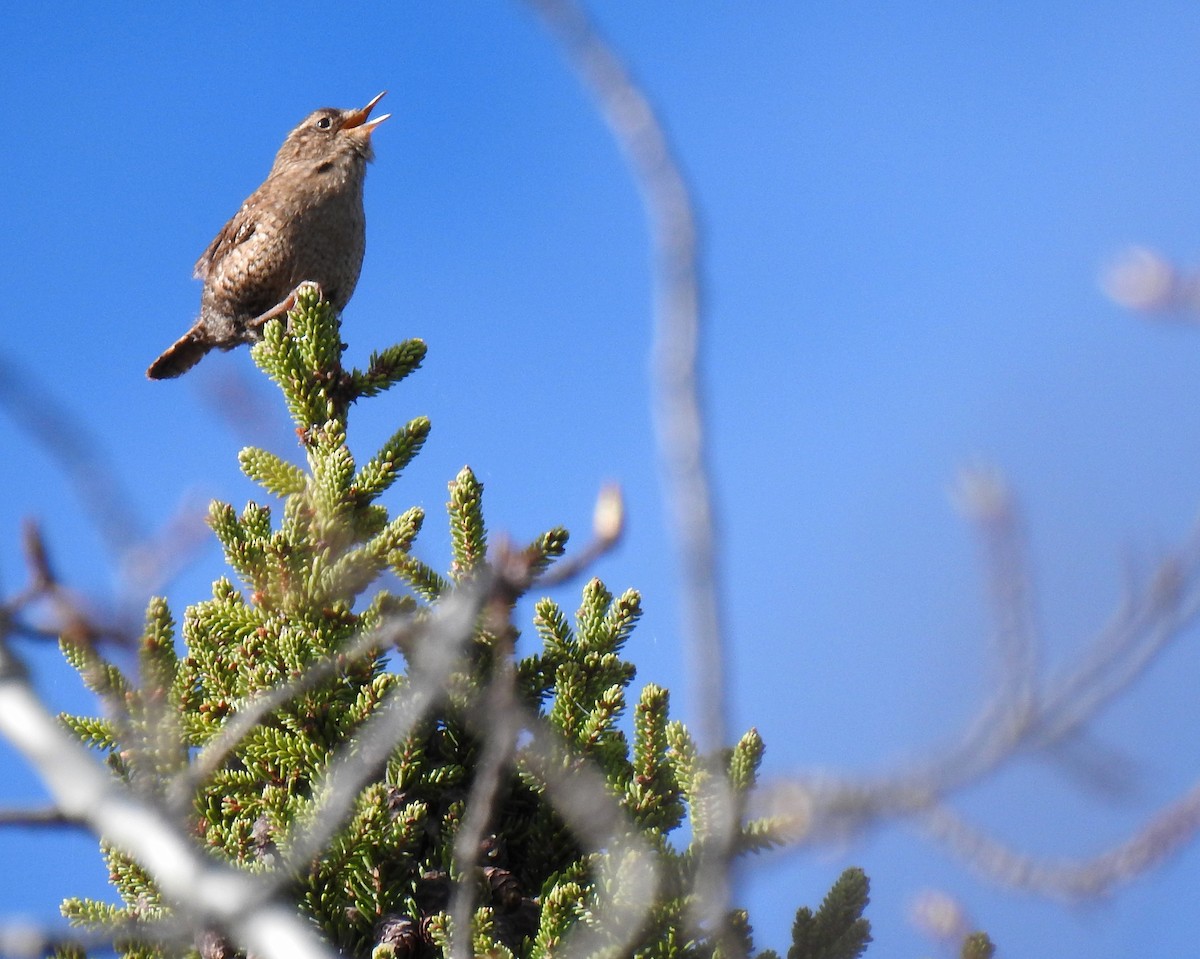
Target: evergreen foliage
(315, 573)
(837, 930)
(978, 946)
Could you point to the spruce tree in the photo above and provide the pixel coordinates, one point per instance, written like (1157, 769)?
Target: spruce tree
(240, 720)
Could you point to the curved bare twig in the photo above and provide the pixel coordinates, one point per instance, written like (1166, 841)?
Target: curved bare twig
(1071, 880)
(678, 405)
(681, 439)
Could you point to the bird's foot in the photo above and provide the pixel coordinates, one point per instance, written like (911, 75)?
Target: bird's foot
(282, 307)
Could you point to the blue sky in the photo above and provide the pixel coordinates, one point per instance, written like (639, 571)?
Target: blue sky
(906, 210)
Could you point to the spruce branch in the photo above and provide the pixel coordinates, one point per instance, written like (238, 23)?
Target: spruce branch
(446, 630)
(275, 475)
(468, 535)
(388, 367)
(286, 741)
(378, 473)
(837, 930)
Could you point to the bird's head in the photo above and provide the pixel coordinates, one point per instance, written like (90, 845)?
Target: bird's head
(330, 141)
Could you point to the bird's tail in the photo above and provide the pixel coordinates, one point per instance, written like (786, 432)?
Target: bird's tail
(181, 356)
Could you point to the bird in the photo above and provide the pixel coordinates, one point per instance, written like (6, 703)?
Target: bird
(304, 224)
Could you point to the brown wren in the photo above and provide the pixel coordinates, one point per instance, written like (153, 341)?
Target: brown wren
(304, 224)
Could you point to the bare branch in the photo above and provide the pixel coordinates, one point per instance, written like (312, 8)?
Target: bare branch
(608, 525)
(1162, 836)
(986, 499)
(640, 135)
(678, 404)
(1150, 618)
(37, 818)
(206, 892)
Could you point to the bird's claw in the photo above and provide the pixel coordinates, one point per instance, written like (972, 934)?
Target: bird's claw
(283, 306)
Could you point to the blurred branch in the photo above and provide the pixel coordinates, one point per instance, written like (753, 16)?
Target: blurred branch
(207, 893)
(987, 501)
(1151, 618)
(1027, 716)
(19, 940)
(37, 818)
(1163, 835)
(683, 455)
(682, 448)
(144, 563)
(1145, 281)
(71, 619)
(63, 437)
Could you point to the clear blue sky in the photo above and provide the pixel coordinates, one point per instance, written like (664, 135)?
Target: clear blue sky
(906, 211)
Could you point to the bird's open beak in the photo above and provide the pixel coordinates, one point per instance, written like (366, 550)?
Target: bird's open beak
(359, 117)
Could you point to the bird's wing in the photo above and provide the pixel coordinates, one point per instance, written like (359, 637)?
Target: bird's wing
(235, 232)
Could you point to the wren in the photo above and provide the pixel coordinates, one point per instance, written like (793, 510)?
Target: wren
(304, 224)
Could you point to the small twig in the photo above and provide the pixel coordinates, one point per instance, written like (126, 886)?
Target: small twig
(72, 622)
(41, 576)
(987, 500)
(608, 525)
(49, 816)
(1154, 618)
(1148, 622)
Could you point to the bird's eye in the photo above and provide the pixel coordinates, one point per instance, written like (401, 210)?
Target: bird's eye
(324, 123)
